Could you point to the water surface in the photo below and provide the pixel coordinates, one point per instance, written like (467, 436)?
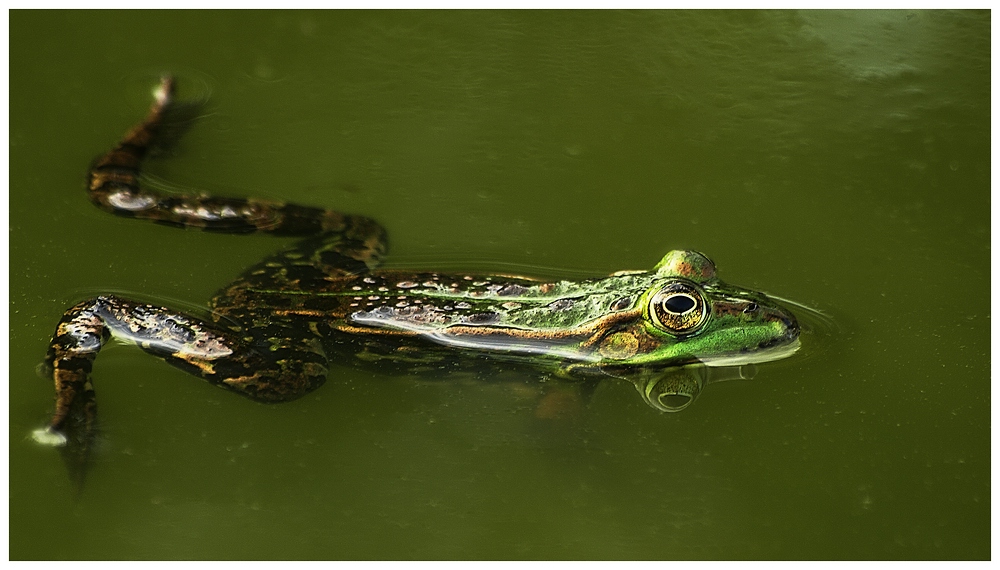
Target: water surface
(840, 159)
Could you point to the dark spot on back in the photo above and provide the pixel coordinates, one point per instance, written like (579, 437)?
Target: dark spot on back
(561, 304)
(621, 304)
(512, 290)
(481, 318)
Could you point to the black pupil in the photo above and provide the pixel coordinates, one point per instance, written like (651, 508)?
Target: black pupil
(679, 304)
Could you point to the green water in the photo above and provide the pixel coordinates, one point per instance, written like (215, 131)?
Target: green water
(840, 159)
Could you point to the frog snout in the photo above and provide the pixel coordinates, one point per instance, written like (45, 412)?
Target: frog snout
(791, 327)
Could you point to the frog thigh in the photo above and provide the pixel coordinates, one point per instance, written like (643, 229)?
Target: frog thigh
(275, 364)
(311, 265)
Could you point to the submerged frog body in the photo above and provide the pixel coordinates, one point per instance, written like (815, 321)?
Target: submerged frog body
(273, 331)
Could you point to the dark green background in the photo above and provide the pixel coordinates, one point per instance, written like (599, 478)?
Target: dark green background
(841, 159)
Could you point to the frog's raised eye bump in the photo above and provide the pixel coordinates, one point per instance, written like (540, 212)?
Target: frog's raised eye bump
(679, 308)
(751, 308)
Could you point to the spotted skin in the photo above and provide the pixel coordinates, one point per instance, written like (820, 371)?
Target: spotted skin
(272, 332)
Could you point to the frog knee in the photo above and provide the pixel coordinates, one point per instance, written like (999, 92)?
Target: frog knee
(290, 381)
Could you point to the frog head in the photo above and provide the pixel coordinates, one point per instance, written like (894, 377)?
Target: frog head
(689, 316)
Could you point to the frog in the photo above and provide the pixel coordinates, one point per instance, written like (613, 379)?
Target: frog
(273, 333)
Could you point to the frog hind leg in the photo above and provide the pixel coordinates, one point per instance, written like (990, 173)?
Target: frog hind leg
(114, 186)
(335, 243)
(279, 363)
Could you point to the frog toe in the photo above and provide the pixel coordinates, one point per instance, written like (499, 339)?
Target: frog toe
(49, 437)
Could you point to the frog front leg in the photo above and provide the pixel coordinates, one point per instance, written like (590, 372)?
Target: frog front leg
(278, 362)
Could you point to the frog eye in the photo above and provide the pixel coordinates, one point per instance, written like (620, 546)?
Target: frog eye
(679, 308)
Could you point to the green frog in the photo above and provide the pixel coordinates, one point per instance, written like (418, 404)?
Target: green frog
(272, 333)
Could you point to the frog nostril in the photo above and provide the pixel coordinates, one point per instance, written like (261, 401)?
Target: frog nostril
(792, 327)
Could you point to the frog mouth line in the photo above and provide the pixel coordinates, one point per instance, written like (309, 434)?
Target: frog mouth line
(754, 357)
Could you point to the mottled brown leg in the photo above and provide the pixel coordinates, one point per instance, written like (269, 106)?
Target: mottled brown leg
(280, 363)
(114, 186)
